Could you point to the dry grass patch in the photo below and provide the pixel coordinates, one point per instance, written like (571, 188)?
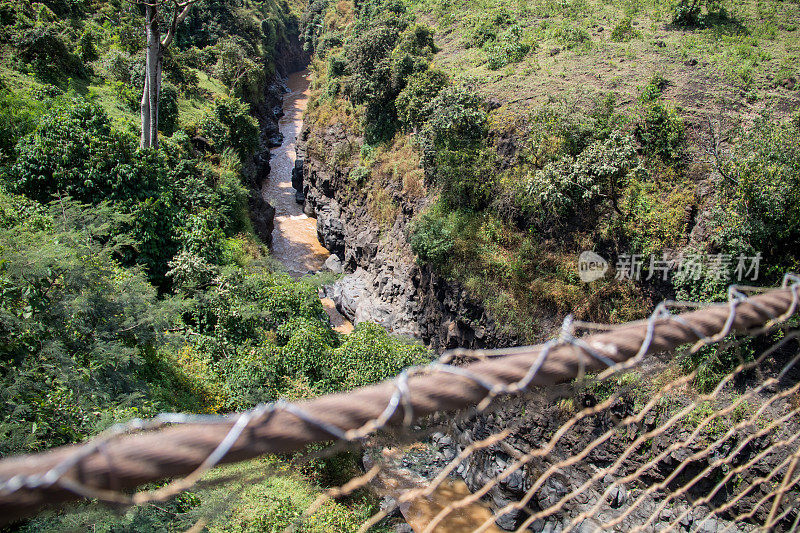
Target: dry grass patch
(400, 164)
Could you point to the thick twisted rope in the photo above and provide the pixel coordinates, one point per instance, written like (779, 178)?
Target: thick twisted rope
(103, 467)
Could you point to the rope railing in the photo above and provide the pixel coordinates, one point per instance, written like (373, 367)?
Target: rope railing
(174, 445)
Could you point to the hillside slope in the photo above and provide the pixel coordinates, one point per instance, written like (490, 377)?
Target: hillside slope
(502, 139)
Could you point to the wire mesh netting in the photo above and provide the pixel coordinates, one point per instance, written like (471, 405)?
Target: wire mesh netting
(701, 437)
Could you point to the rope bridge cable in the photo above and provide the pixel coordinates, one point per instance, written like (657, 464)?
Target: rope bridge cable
(171, 446)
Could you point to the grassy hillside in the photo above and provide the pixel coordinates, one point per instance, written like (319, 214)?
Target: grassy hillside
(545, 129)
(741, 52)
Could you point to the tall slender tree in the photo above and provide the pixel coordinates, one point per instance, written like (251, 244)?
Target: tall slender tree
(155, 59)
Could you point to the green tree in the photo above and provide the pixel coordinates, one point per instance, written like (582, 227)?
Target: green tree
(229, 124)
(421, 88)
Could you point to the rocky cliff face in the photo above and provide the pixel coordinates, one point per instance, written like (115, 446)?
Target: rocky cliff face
(383, 282)
(535, 420)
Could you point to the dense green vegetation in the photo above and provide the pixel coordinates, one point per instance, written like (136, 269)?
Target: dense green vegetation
(131, 281)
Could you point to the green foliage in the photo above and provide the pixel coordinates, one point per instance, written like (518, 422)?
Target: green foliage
(17, 210)
(121, 67)
(661, 131)
(44, 50)
(467, 176)
(75, 325)
(757, 207)
(69, 8)
(509, 48)
(382, 53)
(229, 124)
(580, 188)
(369, 355)
(432, 237)
(687, 14)
(691, 14)
(657, 214)
(568, 35)
(19, 116)
(420, 90)
(652, 91)
(237, 68)
(713, 363)
(456, 119)
(623, 31)
(484, 28)
(87, 50)
(75, 151)
(168, 109)
(368, 55)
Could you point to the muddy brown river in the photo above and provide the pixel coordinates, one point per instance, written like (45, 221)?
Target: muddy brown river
(294, 239)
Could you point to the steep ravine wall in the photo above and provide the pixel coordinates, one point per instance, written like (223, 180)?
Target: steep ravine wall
(383, 282)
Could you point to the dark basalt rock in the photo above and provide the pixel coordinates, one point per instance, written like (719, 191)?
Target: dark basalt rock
(262, 215)
(384, 283)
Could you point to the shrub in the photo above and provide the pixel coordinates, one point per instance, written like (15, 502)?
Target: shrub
(87, 50)
(368, 63)
(758, 208)
(661, 131)
(652, 91)
(245, 76)
(128, 95)
(712, 364)
(456, 118)
(229, 124)
(623, 31)
(74, 325)
(687, 14)
(369, 355)
(47, 53)
(66, 7)
(119, 66)
(467, 176)
(251, 379)
(431, 237)
(417, 40)
(307, 350)
(509, 48)
(482, 29)
(657, 214)
(421, 88)
(75, 151)
(569, 36)
(578, 189)
(19, 116)
(168, 109)
(130, 37)
(201, 236)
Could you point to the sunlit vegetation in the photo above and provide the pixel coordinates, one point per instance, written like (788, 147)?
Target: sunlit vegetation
(131, 280)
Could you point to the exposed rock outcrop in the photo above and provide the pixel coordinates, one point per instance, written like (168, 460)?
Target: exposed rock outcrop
(384, 283)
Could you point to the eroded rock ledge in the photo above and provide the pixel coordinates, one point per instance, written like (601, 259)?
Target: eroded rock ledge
(383, 282)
